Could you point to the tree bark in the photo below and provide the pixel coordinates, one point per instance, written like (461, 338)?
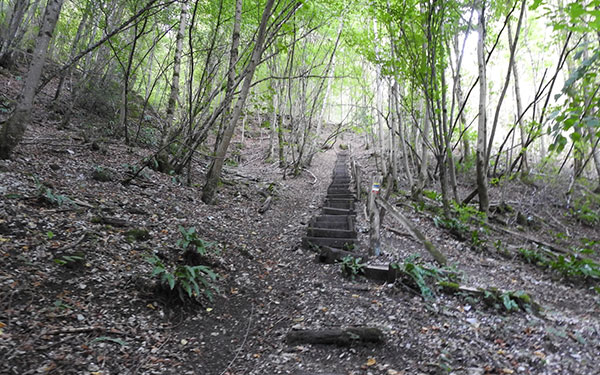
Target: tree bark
(524, 158)
(9, 32)
(169, 132)
(336, 336)
(14, 128)
(482, 187)
(214, 174)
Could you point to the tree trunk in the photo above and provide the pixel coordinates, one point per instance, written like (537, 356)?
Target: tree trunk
(512, 48)
(14, 128)
(169, 132)
(9, 32)
(214, 174)
(524, 158)
(418, 188)
(482, 187)
(74, 47)
(402, 135)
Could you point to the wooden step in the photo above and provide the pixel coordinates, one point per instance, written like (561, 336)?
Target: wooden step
(331, 233)
(383, 272)
(334, 218)
(340, 243)
(337, 211)
(340, 196)
(339, 190)
(342, 225)
(336, 203)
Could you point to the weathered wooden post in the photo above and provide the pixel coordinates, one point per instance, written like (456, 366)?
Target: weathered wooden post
(374, 217)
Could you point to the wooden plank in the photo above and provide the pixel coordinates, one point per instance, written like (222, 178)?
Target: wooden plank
(339, 243)
(331, 233)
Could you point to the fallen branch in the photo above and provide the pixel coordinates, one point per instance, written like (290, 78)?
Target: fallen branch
(75, 330)
(527, 238)
(312, 174)
(437, 255)
(266, 205)
(397, 232)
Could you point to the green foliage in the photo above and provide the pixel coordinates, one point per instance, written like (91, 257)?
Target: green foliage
(68, 259)
(352, 267)
(533, 257)
(426, 280)
(48, 196)
(458, 228)
(433, 195)
(186, 281)
(584, 211)
(510, 301)
(115, 340)
(191, 241)
(572, 266)
(569, 265)
(61, 305)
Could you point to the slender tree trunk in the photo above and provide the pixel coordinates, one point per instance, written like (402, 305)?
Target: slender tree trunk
(448, 142)
(169, 131)
(524, 157)
(418, 189)
(74, 47)
(9, 32)
(14, 128)
(512, 47)
(482, 187)
(379, 108)
(214, 173)
(174, 93)
(458, 94)
(402, 135)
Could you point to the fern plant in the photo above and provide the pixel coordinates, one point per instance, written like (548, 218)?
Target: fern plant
(191, 241)
(186, 281)
(352, 267)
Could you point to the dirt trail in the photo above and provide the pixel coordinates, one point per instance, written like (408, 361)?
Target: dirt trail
(103, 316)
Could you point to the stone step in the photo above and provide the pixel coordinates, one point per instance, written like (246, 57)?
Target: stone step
(337, 211)
(331, 233)
(340, 243)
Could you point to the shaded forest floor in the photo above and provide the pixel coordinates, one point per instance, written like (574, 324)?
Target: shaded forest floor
(77, 295)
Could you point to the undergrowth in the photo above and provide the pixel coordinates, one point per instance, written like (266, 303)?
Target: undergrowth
(186, 281)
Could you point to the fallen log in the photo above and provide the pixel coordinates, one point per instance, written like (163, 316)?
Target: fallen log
(437, 255)
(336, 336)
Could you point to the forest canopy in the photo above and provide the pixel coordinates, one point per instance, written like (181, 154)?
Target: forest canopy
(505, 86)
